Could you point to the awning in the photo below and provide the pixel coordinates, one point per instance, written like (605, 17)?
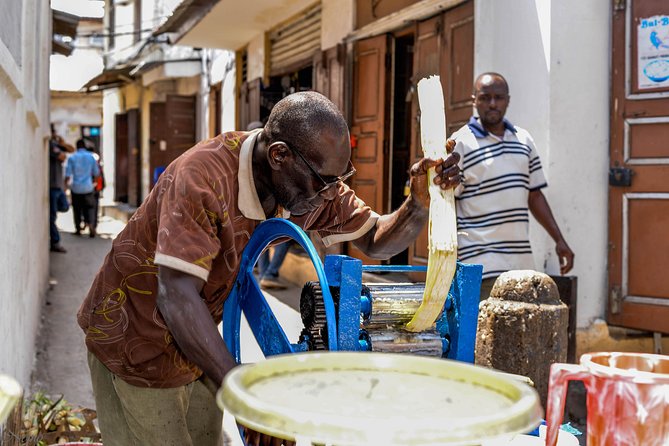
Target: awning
(184, 17)
(110, 78)
(418, 11)
(63, 25)
(227, 24)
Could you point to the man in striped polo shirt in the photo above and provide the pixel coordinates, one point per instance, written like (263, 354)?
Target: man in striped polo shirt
(503, 179)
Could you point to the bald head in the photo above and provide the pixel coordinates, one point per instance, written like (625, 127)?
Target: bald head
(302, 119)
(490, 79)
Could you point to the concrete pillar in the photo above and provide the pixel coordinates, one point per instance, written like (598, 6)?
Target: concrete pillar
(522, 327)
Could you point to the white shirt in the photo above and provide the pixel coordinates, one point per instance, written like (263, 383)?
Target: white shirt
(492, 204)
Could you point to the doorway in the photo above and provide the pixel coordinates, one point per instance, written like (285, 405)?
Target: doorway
(400, 109)
(281, 86)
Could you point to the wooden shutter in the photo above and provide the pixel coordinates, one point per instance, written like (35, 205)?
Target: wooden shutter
(134, 158)
(121, 158)
(172, 130)
(249, 103)
(294, 42)
(329, 68)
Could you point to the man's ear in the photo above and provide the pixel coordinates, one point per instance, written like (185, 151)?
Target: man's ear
(277, 153)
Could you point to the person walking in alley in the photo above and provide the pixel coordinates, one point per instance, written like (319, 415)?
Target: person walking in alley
(151, 315)
(58, 150)
(80, 172)
(98, 182)
(502, 183)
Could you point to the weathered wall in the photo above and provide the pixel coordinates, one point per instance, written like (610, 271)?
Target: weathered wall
(256, 58)
(111, 104)
(70, 110)
(24, 238)
(337, 20)
(550, 73)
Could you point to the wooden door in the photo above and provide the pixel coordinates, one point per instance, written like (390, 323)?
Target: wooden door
(121, 158)
(444, 46)
(180, 112)
(172, 130)
(369, 126)
(329, 75)
(639, 208)
(157, 138)
(134, 158)
(215, 105)
(249, 103)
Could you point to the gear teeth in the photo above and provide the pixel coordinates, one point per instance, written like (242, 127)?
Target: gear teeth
(312, 310)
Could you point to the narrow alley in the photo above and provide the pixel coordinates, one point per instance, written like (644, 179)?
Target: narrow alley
(525, 236)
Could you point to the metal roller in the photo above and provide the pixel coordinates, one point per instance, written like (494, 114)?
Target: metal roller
(396, 341)
(391, 305)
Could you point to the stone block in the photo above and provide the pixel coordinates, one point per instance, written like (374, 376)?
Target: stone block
(522, 327)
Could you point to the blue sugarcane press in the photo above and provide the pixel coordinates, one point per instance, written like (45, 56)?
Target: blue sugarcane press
(340, 312)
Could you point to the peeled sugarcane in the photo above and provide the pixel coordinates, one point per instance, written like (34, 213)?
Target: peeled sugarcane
(442, 230)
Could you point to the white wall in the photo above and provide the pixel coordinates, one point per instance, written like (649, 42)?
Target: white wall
(69, 111)
(111, 104)
(555, 56)
(24, 228)
(337, 21)
(579, 141)
(256, 58)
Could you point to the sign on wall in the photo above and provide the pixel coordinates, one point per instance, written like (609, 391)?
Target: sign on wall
(653, 52)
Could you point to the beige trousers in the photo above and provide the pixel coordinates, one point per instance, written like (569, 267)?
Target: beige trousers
(137, 416)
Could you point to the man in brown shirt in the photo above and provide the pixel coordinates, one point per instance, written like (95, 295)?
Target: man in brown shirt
(151, 315)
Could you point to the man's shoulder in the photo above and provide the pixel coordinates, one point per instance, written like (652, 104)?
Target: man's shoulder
(464, 135)
(522, 134)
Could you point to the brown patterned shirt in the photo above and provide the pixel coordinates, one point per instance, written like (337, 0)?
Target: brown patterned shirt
(197, 219)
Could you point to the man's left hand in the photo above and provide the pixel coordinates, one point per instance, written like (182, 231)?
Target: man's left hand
(448, 174)
(565, 256)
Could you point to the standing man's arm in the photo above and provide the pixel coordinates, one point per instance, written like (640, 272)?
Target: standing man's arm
(189, 321)
(542, 212)
(65, 146)
(394, 232)
(95, 170)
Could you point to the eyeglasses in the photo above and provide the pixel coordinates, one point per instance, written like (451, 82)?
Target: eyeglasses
(333, 180)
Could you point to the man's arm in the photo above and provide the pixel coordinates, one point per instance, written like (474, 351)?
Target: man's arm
(189, 321)
(394, 232)
(542, 212)
(65, 146)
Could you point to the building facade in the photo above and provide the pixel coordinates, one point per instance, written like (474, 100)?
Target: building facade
(577, 80)
(24, 98)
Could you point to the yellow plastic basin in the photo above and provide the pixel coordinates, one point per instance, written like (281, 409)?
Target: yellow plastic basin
(349, 398)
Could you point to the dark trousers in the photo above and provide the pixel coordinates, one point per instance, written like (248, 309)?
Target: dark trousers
(270, 267)
(54, 193)
(486, 287)
(83, 205)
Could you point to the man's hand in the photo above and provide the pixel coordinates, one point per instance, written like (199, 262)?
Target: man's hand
(565, 256)
(448, 174)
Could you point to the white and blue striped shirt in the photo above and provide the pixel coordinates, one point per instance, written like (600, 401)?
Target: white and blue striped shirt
(492, 203)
